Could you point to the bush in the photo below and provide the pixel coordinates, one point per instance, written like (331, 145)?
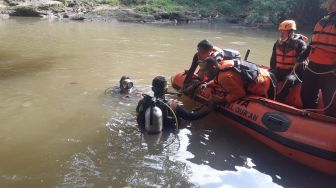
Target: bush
(275, 11)
(111, 2)
(160, 5)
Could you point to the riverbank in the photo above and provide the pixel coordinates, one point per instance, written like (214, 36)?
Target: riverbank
(103, 11)
(258, 13)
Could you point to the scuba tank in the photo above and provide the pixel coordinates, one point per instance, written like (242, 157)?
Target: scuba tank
(153, 119)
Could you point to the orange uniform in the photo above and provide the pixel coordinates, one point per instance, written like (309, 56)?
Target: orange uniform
(322, 59)
(324, 41)
(235, 86)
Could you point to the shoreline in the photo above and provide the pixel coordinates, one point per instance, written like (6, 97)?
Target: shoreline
(79, 11)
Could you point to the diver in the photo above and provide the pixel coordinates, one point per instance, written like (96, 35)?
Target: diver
(125, 89)
(155, 114)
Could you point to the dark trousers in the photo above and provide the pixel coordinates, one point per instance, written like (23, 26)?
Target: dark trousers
(312, 83)
(290, 81)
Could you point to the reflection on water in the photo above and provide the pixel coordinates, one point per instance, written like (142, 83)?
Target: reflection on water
(59, 129)
(128, 157)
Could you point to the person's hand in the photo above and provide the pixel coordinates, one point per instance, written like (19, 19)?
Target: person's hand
(173, 104)
(216, 102)
(203, 86)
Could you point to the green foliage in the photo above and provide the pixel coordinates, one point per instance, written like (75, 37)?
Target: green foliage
(306, 12)
(269, 11)
(160, 5)
(275, 11)
(111, 2)
(225, 7)
(132, 2)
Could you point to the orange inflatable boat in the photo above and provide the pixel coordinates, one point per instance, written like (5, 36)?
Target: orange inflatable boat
(306, 137)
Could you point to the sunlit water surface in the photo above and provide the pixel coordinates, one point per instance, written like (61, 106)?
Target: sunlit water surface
(59, 129)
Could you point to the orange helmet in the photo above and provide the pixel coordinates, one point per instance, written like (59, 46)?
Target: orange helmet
(287, 25)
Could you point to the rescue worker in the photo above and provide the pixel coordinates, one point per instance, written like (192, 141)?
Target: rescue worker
(321, 71)
(236, 79)
(157, 113)
(287, 52)
(205, 49)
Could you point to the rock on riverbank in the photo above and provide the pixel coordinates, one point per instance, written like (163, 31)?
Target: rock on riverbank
(81, 10)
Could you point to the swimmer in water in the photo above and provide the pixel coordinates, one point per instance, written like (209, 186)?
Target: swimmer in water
(125, 89)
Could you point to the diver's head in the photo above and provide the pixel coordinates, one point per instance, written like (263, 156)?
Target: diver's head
(159, 86)
(126, 85)
(204, 48)
(211, 67)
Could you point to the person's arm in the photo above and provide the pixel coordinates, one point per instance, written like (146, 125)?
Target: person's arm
(302, 50)
(190, 116)
(191, 70)
(273, 58)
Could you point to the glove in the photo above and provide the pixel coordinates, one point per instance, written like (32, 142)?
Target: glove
(203, 86)
(173, 104)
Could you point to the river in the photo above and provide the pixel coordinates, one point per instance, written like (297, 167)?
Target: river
(59, 129)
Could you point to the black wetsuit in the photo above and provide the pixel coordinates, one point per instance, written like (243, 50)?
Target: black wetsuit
(169, 121)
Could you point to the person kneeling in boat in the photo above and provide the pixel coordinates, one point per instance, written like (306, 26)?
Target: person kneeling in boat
(157, 113)
(205, 49)
(125, 89)
(236, 79)
(288, 54)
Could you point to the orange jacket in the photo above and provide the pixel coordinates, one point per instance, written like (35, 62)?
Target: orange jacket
(234, 87)
(286, 54)
(324, 41)
(262, 84)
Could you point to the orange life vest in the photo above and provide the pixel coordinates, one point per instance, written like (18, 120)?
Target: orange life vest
(286, 55)
(262, 84)
(257, 83)
(324, 41)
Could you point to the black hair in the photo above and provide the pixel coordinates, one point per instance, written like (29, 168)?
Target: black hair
(211, 66)
(159, 84)
(122, 79)
(210, 62)
(205, 44)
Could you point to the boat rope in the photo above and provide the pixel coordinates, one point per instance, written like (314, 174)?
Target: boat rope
(322, 109)
(293, 73)
(334, 95)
